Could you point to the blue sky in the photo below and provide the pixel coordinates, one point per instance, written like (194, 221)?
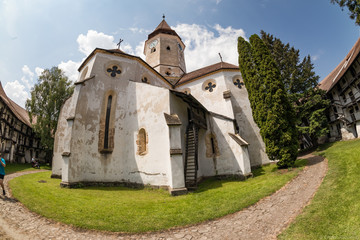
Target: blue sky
(39, 34)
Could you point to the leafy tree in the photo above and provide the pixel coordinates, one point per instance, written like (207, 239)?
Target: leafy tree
(271, 108)
(300, 82)
(47, 97)
(353, 6)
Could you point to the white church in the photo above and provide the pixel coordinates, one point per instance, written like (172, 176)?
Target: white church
(138, 123)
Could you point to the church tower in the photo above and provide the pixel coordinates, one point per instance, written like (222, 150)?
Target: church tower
(164, 51)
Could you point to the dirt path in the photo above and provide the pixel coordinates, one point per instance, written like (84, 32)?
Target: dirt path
(264, 220)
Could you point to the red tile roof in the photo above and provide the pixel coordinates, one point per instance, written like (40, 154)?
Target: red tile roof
(18, 111)
(330, 80)
(188, 77)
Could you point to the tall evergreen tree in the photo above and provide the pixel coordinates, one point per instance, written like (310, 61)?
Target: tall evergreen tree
(47, 97)
(300, 82)
(272, 112)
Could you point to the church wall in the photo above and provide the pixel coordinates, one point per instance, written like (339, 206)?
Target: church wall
(231, 159)
(236, 107)
(211, 100)
(135, 108)
(60, 140)
(148, 113)
(248, 129)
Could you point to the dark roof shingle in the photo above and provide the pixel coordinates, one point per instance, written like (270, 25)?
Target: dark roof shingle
(330, 80)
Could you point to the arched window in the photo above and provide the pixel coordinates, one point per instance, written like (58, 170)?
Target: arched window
(107, 123)
(142, 140)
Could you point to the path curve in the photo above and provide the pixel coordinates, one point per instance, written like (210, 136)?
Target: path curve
(264, 220)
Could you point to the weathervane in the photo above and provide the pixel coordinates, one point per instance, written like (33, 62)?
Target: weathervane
(164, 16)
(220, 57)
(120, 41)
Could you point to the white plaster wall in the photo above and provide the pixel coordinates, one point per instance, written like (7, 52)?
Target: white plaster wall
(138, 105)
(237, 107)
(207, 166)
(347, 133)
(212, 101)
(248, 129)
(357, 125)
(231, 159)
(62, 140)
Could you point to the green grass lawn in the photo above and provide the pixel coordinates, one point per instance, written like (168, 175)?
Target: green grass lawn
(334, 213)
(19, 167)
(138, 210)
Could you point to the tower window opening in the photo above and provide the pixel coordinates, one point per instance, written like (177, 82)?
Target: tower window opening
(153, 50)
(168, 48)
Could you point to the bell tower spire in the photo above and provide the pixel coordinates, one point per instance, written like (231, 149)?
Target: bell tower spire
(164, 51)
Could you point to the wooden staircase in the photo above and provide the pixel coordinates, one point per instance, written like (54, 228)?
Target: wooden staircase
(191, 157)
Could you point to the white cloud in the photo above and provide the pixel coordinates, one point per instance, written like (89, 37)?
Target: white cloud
(93, 40)
(70, 69)
(139, 30)
(139, 50)
(16, 92)
(28, 76)
(218, 1)
(203, 46)
(38, 71)
(315, 57)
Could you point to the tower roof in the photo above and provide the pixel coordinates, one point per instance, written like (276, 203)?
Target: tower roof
(163, 27)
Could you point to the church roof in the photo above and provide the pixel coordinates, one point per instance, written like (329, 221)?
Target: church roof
(330, 80)
(191, 76)
(18, 111)
(163, 27)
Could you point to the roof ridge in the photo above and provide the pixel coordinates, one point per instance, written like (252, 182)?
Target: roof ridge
(335, 75)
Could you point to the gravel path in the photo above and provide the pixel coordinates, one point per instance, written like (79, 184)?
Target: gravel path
(264, 220)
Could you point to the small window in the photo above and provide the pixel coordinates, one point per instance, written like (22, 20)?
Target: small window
(142, 140)
(168, 73)
(144, 80)
(113, 70)
(352, 71)
(153, 50)
(343, 97)
(168, 48)
(238, 83)
(356, 108)
(210, 87)
(212, 148)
